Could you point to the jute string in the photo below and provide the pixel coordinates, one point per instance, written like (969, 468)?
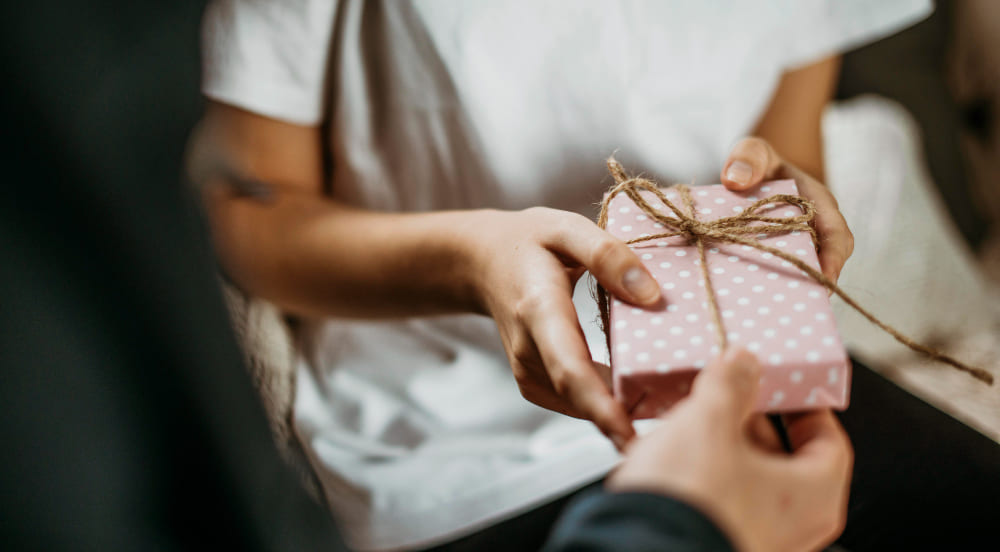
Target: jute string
(738, 229)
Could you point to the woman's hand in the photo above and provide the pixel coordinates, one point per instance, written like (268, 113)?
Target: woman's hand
(526, 266)
(753, 161)
(710, 450)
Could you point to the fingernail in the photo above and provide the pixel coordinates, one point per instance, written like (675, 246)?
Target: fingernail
(640, 285)
(739, 172)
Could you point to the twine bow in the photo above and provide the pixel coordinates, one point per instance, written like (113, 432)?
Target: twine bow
(738, 229)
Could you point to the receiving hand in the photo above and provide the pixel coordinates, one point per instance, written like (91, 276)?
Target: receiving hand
(526, 269)
(753, 161)
(713, 453)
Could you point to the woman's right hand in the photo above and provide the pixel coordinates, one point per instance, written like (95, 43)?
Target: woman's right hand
(315, 256)
(525, 266)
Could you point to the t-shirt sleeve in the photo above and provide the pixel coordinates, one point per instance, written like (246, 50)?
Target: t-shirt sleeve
(268, 56)
(821, 28)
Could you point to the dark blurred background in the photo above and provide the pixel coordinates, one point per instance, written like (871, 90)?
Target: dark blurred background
(945, 70)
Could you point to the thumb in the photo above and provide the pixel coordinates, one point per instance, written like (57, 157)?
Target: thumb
(727, 388)
(750, 162)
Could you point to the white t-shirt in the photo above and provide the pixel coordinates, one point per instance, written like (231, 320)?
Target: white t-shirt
(416, 427)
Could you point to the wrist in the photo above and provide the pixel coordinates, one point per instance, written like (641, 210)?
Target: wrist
(471, 255)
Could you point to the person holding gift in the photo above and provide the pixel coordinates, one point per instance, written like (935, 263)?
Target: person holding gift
(128, 416)
(429, 163)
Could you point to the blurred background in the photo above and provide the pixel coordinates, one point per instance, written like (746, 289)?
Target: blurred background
(913, 156)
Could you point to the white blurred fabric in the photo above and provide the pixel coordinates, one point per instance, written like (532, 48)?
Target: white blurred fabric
(910, 266)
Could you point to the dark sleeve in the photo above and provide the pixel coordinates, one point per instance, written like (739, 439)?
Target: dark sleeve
(636, 522)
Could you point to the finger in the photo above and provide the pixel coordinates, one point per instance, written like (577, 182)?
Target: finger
(529, 373)
(835, 238)
(574, 377)
(612, 263)
(818, 436)
(604, 371)
(753, 160)
(821, 453)
(727, 388)
(750, 162)
(531, 376)
(763, 434)
(836, 243)
(545, 393)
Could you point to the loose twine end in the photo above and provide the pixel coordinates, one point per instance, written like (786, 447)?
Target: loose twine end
(737, 229)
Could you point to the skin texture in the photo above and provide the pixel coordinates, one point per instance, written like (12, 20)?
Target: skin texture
(711, 451)
(314, 256)
(792, 121)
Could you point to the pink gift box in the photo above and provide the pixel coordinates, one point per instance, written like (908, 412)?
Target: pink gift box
(768, 306)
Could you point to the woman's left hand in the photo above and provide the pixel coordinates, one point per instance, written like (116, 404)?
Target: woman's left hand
(753, 161)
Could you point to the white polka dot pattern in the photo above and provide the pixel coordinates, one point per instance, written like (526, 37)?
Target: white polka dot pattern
(767, 306)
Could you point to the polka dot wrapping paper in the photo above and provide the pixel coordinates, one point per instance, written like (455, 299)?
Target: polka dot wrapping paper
(768, 306)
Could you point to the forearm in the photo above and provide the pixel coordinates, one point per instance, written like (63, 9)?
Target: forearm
(792, 123)
(308, 253)
(315, 256)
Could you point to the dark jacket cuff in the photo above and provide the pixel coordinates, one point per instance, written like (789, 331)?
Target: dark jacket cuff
(636, 522)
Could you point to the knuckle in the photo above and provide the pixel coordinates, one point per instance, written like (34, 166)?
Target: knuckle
(575, 219)
(849, 242)
(750, 142)
(523, 355)
(564, 381)
(541, 213)
(536, 394)
(604, 418)
(568, 224)
(604, 251)
(521, 374)
(756, 146)
(530, 388)
(531, 302)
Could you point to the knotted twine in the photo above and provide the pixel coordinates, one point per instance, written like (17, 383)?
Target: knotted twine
(737, 229)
